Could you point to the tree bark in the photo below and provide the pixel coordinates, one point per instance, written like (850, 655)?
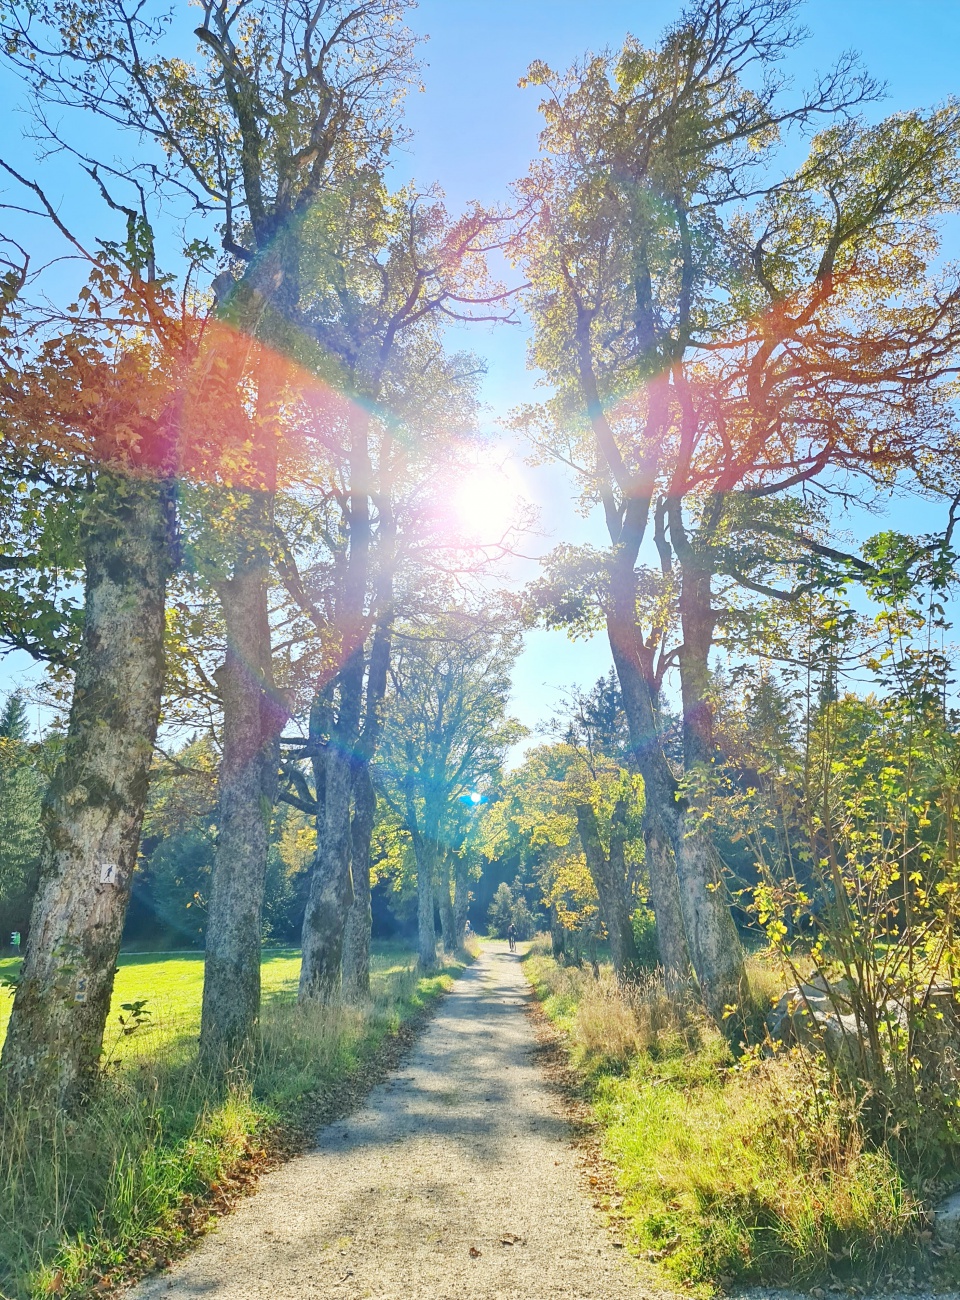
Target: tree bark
(331, 886)
(252, 723)
(461, 898)
(356, 938)
(356, 951)
(665, 901)
(94, 808)
(711, 930)
(711, 938)
(609, 876)
(448, 921)
(660, 815)
(425, 848)
(558, 936)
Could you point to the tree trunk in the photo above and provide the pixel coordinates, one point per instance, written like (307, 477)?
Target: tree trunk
(94, 808)
(252, 723)
(711, 930)
(558, 937)
(609, 877)
(356, 938)
(461, 898)
(356, 952)
(425, 848)
(665, 901)
(331, 890)
(697, 889)
(331, 887)
(448, 922)
(660, 816)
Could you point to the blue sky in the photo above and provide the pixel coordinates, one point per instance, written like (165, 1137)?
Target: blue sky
(475, 131)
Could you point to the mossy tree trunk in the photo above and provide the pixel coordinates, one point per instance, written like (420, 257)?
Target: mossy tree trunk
(253, 719)
(94, 809)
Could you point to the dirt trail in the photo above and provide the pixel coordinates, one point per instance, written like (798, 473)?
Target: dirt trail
(416, 1195)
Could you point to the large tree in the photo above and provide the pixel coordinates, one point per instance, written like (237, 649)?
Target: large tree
(283, 101)
(380, 275)
(446, 735)
(87, 420)
(720, 336)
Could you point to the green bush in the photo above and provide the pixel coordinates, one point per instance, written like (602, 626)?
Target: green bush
(500, 912)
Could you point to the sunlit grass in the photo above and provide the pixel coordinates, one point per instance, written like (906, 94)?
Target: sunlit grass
(84, 1195)
(750, 1170)
(173, 987)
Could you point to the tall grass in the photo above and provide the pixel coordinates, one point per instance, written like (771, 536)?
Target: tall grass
(121, 1185)
(755, 1170)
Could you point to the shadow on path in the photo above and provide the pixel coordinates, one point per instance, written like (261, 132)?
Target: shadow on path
(457, 1179)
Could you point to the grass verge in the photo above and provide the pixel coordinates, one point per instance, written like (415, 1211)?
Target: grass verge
(749, 1171)
(93, 1199)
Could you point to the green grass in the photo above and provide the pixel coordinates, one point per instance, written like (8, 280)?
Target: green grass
(119, 1187)
(754, 1171)
(173, 986)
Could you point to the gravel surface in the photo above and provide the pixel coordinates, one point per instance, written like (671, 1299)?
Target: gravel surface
(458, 1179)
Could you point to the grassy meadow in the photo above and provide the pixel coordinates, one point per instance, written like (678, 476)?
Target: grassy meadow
(172, 986)
(87, 1200)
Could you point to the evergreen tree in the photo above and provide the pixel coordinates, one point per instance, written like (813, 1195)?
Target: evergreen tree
(501, 911)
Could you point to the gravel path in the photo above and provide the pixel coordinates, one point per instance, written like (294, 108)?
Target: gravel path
(456, 1180)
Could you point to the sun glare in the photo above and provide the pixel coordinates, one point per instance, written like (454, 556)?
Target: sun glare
(488, 499)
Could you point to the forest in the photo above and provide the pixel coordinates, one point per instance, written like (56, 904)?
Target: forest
(253, 541)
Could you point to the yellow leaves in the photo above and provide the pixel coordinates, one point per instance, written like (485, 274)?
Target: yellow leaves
(537, 74)
(776, 932)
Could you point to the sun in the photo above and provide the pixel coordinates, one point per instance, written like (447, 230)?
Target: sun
(487, 499)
